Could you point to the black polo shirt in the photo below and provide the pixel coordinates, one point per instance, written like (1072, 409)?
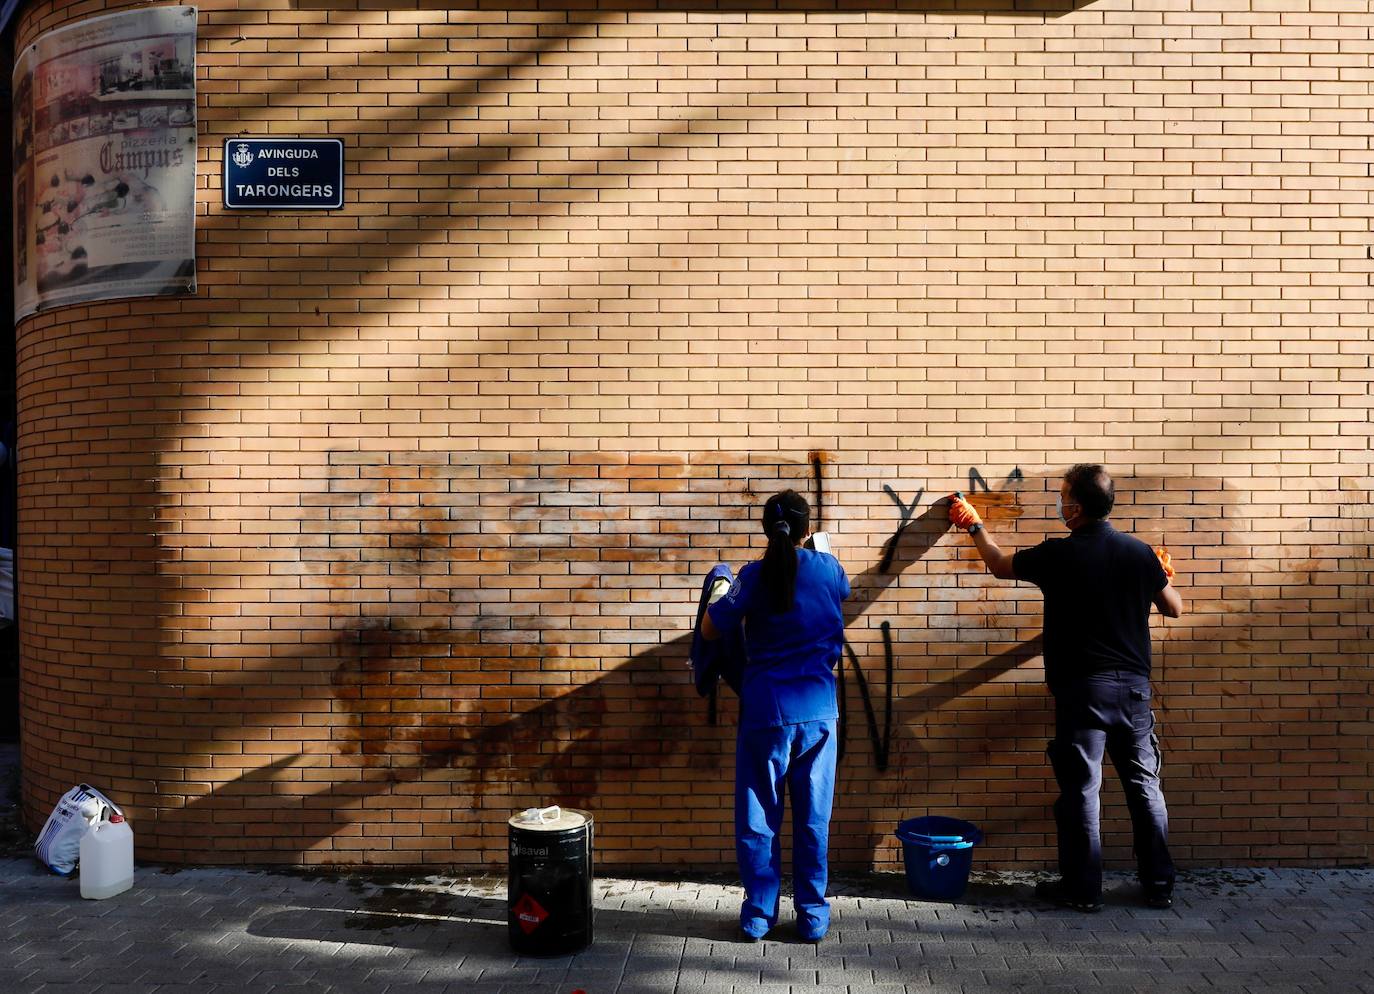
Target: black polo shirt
(1098, 586)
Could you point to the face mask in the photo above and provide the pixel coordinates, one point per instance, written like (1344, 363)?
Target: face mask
(1059, 507)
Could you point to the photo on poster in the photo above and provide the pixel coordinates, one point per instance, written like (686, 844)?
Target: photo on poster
(105, 160)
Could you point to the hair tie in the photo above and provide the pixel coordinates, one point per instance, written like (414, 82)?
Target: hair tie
(781, 527)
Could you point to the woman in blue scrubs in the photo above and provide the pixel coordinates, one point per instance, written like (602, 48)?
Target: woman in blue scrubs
(789, 603)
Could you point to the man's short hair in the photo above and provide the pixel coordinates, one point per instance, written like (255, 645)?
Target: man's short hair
(1092, 488)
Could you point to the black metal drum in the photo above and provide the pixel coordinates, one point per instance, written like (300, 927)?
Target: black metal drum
(549, 897)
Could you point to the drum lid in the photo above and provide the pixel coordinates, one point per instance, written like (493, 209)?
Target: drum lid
(568, 818)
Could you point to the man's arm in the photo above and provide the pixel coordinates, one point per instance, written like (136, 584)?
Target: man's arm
(962, 514)
(997, 561)
(1170, 602)
(710, 632)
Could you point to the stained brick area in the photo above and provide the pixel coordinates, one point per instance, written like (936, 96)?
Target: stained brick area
(399, 523)
(379, 665)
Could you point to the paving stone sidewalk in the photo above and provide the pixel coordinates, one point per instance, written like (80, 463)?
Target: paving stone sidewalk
(233, 930)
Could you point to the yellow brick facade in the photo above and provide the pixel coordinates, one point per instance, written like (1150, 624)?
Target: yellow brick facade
(398, 524)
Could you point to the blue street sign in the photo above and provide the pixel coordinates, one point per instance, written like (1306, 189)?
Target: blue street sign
(283, 173)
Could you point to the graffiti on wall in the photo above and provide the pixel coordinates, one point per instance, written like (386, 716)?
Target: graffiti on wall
(513, 626)
(580, 532)
(931, 525)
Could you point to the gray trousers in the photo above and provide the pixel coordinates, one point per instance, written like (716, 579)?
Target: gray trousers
(1108, 714)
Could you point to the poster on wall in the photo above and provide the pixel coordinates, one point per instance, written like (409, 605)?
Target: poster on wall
(105, 160)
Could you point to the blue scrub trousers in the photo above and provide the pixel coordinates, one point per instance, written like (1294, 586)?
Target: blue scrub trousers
(767, 762)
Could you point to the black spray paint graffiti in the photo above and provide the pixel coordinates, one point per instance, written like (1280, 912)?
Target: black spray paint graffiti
(818, 485)
(882, 739)
(880, 735)
(975, 478)
(907, 511)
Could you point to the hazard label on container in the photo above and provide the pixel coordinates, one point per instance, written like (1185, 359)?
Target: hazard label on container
(529, 913)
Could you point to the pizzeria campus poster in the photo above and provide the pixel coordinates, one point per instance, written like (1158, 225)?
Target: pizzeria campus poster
(105, 160)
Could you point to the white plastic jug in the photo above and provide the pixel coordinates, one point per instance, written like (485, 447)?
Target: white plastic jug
(107, 857)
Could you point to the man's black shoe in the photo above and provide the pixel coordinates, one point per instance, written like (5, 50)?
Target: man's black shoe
(1055, 892)
(1160, 900)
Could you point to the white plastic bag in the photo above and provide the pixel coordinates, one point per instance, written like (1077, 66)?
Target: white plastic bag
(59, 844)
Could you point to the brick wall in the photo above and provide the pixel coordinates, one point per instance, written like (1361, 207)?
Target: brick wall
(398, 524)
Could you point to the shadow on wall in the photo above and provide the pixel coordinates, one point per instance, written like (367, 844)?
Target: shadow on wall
(417, 698)
(422, 712)
(414, 698)
(465, 165)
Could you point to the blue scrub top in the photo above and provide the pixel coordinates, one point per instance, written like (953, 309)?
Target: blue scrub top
(790, 676)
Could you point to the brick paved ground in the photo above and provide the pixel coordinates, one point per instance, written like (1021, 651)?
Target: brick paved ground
(213, 931)
(221, 930)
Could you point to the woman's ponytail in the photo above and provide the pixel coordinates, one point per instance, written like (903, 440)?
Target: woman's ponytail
(785, 520)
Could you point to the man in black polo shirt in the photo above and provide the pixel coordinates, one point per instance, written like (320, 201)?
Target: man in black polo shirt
(1098, 585)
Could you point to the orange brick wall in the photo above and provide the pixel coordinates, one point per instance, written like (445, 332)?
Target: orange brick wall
(399, 523)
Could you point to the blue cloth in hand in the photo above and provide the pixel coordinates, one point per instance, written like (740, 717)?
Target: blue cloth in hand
(722, 659)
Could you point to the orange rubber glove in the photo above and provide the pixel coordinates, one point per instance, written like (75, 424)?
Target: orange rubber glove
(1165, 560)
(962, 514)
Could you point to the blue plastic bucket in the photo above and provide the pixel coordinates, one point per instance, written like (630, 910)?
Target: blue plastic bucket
(939, 855)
